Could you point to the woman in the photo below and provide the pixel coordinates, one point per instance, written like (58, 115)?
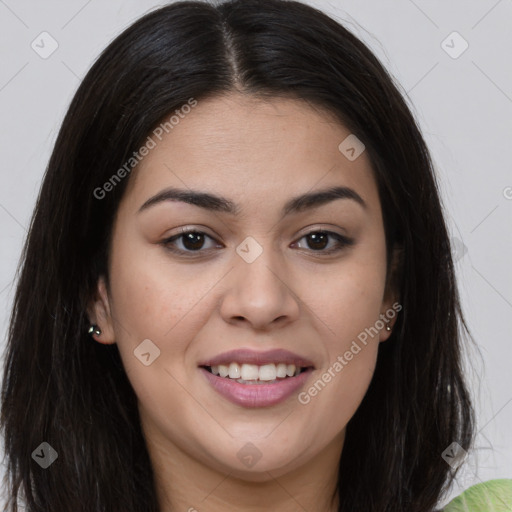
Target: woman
(237, 292)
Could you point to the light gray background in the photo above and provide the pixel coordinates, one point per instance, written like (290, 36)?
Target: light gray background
(464, 106)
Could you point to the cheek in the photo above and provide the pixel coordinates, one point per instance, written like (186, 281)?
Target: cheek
(338, 392)
(346, 300)
(156, 302)
(339, 386)
(151, 294)
(153, 304)
(348, 303)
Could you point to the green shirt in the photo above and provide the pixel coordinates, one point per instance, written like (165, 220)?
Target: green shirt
(490, 496)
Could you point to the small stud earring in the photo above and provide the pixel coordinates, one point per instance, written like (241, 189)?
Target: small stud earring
(388, 328)
(94, 329)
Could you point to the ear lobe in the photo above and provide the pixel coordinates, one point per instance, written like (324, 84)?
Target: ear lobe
(99, 314)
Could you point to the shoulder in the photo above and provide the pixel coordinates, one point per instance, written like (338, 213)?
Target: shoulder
(490, 496)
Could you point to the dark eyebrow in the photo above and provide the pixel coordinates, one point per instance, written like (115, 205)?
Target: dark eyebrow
(216, 203)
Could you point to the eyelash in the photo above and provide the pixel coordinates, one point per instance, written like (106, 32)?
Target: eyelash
(342, 242)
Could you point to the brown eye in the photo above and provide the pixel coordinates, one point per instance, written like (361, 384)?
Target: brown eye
(318, 241)
(191, 241)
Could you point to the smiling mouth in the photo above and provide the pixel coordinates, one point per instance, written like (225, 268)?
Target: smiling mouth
(256, 374)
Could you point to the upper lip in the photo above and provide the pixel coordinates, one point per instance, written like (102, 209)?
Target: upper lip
(247, 356)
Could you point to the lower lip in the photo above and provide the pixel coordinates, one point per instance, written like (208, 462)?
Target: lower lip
(256, 395)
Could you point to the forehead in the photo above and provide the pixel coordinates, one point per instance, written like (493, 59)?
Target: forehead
(252, 149)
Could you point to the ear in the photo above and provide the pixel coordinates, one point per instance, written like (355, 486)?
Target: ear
(391, 302)
(100, 314)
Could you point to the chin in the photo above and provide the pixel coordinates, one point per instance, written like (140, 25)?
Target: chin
(260, 468)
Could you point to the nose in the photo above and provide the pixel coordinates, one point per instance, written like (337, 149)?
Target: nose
(260, 294)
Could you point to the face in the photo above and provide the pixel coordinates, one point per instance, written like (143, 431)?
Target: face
(261, 282)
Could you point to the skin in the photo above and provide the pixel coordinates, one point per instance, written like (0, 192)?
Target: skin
(258, 154)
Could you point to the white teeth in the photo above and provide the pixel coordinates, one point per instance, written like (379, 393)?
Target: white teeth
(234, 371)
(252, 372)
(281, 371)
(268, 372)
(249, 372)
